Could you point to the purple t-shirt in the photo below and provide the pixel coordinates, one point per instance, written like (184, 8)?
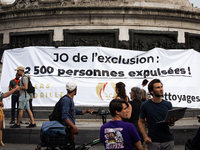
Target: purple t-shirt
(119, 135)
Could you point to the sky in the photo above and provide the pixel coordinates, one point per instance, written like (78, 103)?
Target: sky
(195, 2)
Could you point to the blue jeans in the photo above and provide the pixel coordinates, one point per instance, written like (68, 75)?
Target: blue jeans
(14, 101)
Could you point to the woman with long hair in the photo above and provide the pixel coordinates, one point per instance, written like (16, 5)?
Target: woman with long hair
(121, 94)
(144, 95)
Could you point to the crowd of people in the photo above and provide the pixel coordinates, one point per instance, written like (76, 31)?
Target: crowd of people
(127, 129)
(133, 124)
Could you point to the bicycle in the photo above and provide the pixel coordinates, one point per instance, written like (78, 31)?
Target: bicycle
(103, 113)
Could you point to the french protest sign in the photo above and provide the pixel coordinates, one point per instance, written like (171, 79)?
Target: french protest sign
(98, 69)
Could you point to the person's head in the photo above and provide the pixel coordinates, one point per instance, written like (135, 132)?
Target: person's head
(17, 76)
(155, 88)
(136, 93)
(71, 87)
(144, 82)
(20, 70)
(120, 90)
(118, 107)
(144, 94)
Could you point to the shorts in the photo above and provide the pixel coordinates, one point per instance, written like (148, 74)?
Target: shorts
(24, 102)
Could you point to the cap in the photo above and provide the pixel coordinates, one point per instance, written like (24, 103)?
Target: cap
(71, 85)
(19, 68)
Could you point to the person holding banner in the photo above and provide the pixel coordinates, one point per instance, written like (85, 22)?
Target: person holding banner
(23, 100)
(154, 110)
(4, 95)
(69, 110)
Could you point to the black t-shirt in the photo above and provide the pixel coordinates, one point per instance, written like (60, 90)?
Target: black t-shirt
(135, 111)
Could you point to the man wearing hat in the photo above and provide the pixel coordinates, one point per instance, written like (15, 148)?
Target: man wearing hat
(23, 99)
(69, 110)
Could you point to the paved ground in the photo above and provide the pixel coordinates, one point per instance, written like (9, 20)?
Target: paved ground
(33, 147)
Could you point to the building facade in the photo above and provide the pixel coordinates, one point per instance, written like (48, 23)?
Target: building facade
(125, 24)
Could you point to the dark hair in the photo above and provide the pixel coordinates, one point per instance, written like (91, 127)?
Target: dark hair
(122, 91)
(116, 105)
(145, 81)
(137, 93)
(144, 94)
(150, 86)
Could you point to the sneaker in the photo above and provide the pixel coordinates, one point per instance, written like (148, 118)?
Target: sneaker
(21, 122)
(15, 126)
(31, 125)
(12, 122)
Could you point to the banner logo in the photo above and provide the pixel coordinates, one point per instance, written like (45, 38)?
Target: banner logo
(106, 91)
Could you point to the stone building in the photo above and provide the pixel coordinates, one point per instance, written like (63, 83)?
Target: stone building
(126, 24)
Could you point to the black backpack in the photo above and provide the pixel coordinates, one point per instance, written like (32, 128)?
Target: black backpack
(30, 89)
(56, 115)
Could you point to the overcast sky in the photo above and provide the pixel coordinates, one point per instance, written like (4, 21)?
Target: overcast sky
(195, 2)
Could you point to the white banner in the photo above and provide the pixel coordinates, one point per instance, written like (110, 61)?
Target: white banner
(97, 69)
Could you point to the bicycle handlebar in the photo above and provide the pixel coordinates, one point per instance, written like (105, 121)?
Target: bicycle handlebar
(101, 112)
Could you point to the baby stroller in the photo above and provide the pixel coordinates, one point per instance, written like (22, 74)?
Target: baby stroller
(54, 135)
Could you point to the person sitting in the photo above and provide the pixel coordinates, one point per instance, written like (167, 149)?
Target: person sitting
(117, 134)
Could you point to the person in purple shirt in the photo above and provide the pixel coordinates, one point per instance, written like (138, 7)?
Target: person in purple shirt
(117, 134)
(69, 110)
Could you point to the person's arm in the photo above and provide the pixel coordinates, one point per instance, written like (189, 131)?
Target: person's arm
(87, 111)
(75, 129)
(17, 88)
(130, 111)
(65, 107)
(138, 145)
(141, 125)
(172, 121)
(25, 87)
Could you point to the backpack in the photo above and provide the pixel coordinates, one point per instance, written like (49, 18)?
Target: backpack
(56, 115)
(30, 89)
